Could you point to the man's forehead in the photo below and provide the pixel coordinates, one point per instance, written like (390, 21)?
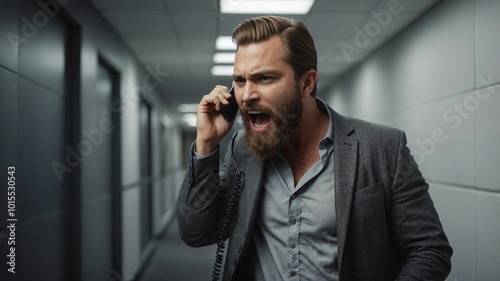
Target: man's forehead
(262, 57)
(271, 47)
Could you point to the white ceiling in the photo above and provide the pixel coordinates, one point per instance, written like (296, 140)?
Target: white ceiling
(178, 37)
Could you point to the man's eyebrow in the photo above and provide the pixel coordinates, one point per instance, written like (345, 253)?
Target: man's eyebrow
(259, 73)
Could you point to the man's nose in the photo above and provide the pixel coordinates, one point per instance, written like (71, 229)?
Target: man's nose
(250, 93)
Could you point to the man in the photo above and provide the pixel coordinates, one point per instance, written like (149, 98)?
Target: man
(323, 197)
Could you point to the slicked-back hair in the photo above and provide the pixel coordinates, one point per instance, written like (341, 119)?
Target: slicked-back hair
(298, 45)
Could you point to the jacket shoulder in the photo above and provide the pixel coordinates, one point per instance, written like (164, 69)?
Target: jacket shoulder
(375, 130)
(365, 130)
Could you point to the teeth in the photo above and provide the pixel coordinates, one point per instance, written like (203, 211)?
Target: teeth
(257, 113)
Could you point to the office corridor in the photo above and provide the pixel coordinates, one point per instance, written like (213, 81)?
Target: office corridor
(173, 260)
(99, 98)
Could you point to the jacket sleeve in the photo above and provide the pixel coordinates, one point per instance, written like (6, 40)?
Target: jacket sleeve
(201, 201)
(416, 227)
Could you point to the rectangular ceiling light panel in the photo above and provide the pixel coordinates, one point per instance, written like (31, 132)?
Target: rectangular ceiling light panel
(224, 57)
(225, 43)
(222, 70)
(292, 7)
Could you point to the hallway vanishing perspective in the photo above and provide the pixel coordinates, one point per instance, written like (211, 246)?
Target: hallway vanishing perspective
(175, 261)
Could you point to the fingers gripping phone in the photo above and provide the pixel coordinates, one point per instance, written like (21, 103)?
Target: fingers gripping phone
(229, 111)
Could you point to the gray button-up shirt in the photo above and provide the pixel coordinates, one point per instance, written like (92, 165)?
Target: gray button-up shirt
(295, 234)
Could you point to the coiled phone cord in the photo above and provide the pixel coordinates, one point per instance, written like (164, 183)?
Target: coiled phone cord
(232, 204)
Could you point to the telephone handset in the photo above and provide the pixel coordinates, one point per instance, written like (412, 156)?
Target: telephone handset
(229, 111)
(228, 217)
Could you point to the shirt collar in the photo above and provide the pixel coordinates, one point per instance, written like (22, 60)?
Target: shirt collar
(328, 139)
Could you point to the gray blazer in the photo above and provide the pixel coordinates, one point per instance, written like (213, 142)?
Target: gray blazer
(388, 228)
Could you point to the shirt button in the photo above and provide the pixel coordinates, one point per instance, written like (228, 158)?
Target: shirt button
(293, 221)
(292, 245)
(293, 197)
(293, 273)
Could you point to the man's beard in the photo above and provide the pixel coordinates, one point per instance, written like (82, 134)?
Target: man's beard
(286, 119)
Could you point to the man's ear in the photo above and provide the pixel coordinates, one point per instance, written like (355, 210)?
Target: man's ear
(308, 82)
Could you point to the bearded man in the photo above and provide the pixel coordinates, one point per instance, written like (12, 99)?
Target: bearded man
(321, 196)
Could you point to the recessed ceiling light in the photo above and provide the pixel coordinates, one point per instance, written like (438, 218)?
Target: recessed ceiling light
(187, 107)
(225, 43)
(300, 7)
(222, 70)
(224, 57)
(189, 119)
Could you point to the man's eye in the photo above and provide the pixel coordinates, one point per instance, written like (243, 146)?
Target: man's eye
(266, 78)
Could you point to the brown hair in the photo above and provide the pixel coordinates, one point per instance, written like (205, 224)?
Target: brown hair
(298, 45)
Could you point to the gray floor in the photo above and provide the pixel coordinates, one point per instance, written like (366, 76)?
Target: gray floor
(175, 261)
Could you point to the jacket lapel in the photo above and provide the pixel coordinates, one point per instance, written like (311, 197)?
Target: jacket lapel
(253, 173)
(253, 176)
(253, 170)
(345, 157)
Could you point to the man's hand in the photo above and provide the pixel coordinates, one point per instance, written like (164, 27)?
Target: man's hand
(211, 126)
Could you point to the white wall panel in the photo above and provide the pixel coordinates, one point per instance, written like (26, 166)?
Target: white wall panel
(488, 138)
(487, 40)
(436, 133)
(488, 236)
(439, 82)
(423, 65)
(419, 66)
(457, 210)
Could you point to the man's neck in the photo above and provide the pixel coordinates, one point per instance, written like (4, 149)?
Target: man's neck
(312, 128)
(301, 151)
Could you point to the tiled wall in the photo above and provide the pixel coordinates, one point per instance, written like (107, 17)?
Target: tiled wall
(439, 81)
(32, 129)
(34, 132)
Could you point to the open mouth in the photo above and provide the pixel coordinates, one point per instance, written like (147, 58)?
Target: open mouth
(259, 119)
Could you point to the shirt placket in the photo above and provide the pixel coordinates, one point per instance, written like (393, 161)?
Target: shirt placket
(293, 237)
